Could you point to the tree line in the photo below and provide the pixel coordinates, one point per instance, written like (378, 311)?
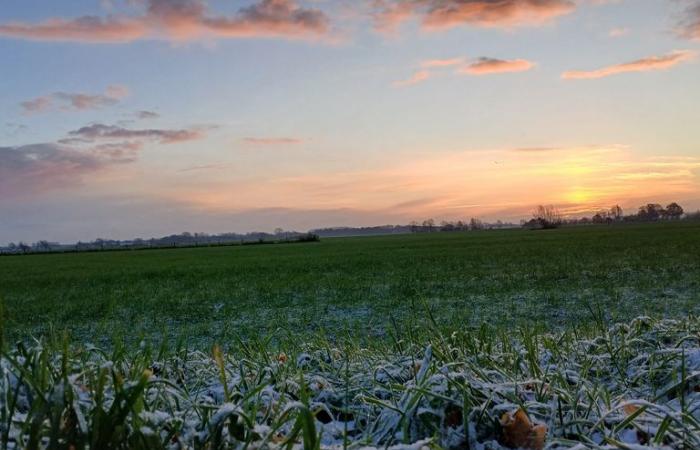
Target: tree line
(185, 239)
(549, 216)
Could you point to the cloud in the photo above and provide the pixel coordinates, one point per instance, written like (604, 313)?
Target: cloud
(35, 105)
(487, 66)
(618, 32)
(689, 27)
(647, 64)
(147, 115)
(35, 168)
(433, 63)
(100, 131)
(480, 66)
(67, 101)
(445, 14)
(450, 185)
(273, 140)
(81, 29)
(179, 20)
(418, 77)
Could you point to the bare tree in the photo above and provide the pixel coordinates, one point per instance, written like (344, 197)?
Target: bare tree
(547, 216)
(475, 224)
(616, 213)
(429, 224)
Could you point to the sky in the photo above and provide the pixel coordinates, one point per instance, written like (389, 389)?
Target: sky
(141, 118)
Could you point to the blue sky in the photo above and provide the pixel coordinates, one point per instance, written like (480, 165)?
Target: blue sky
(275, 113)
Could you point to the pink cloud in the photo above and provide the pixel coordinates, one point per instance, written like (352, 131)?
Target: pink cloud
(82, 29)
(487, 66)
(179, 20)
(647, 64)
(36, 105)
(442, 14)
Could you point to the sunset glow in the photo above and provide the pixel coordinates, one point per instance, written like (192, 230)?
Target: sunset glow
(140, 118)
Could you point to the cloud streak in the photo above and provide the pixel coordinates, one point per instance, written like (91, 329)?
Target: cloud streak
(67, 101)
(272, 140)
(100, 131)
(445, 14)
(418, 77)
(478, 66)
(488, 66)
(647, 64)
(179, 20)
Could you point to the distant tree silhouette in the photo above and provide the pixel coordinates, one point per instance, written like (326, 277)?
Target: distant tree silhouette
(651, 211)
(673, 211)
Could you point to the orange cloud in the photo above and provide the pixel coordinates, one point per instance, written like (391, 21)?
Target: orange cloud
(431, 63)
(418, 77)
(486, 66)
(641, 65)
(442, 14)
(180, 20)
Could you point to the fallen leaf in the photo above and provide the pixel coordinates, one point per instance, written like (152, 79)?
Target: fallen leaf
(519, 432)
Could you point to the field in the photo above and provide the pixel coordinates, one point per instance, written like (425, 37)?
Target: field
(366, 287)
(577, 338)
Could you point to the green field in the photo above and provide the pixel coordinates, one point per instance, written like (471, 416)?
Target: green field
(368, 287)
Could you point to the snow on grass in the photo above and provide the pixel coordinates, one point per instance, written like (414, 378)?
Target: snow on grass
(629, 386)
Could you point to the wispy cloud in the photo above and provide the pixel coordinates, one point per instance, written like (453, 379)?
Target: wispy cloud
(436, 63)
(479, 66)
(29, 169)
(451, 184)
(273, 140)
(418, 77)
(33, 168)
(689, 25)
(647, 64)
(488, 66)
(147, 115)
(178, 20)
(618, 32)
(443, 14)
(68, 101)
(100, 131)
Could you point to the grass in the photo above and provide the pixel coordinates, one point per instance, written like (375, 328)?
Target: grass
(369, 288)
(619, 387)
(488, 340)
